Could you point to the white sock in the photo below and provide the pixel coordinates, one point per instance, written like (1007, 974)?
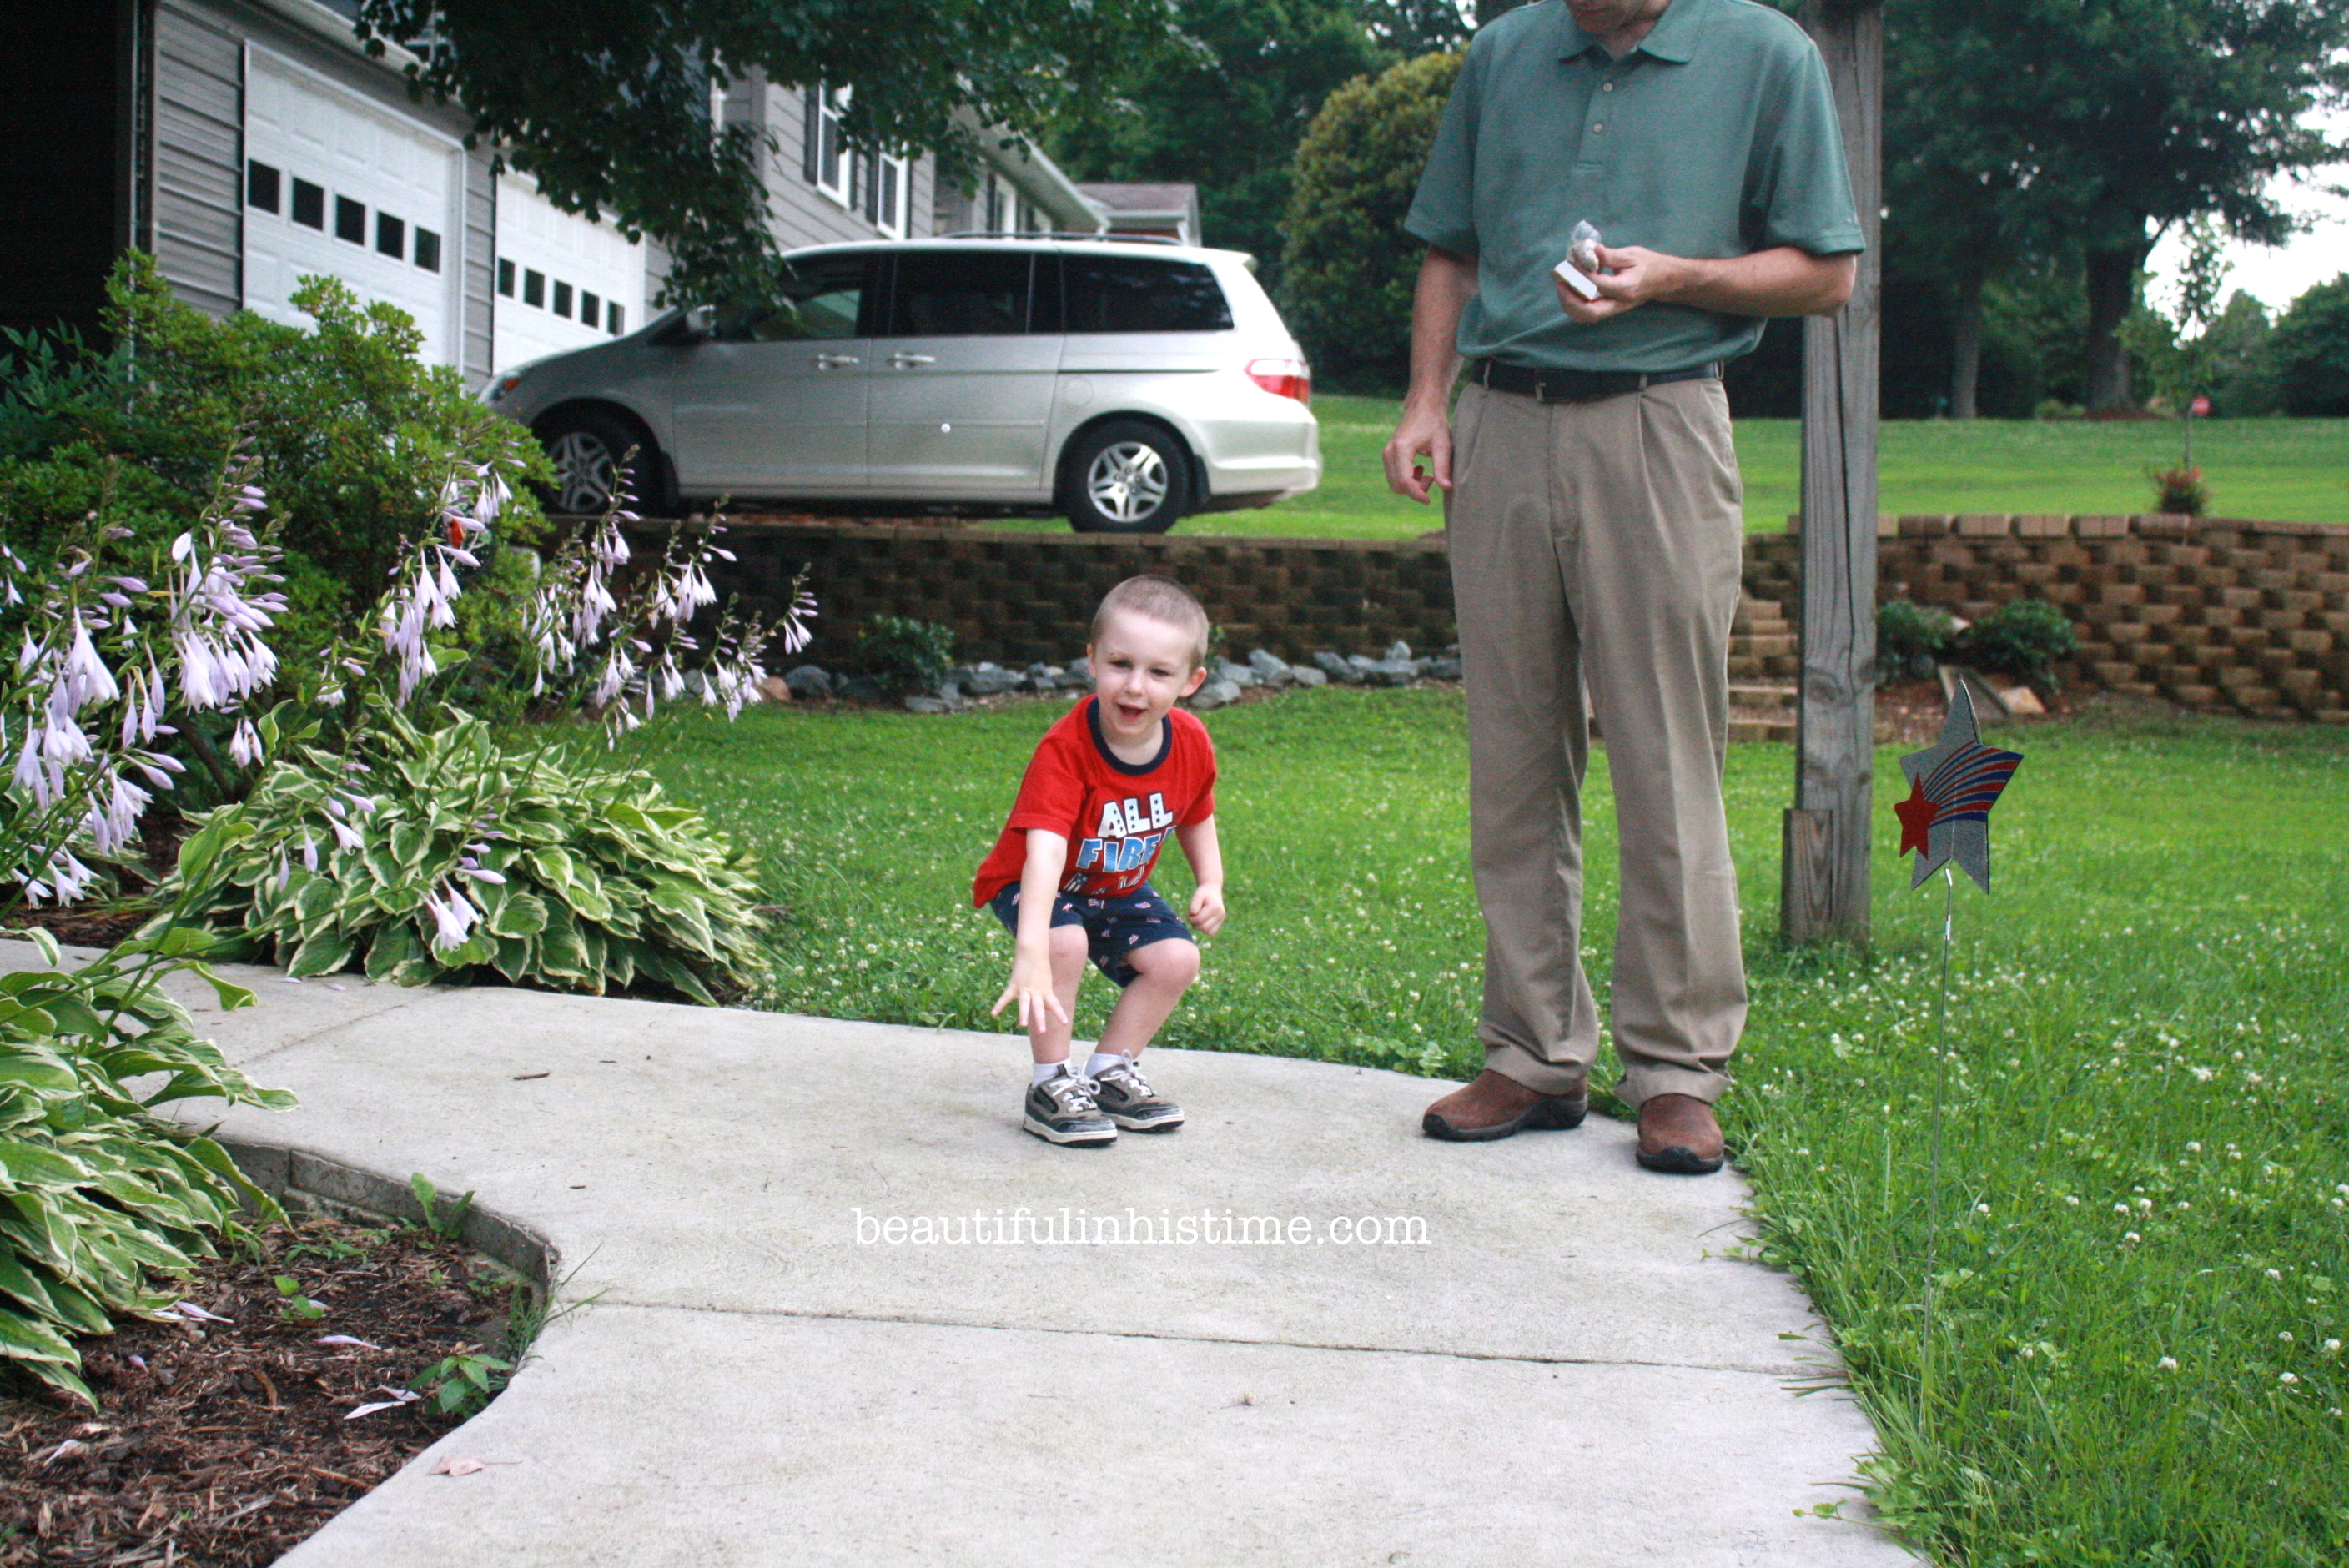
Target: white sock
(1043, 1070)
(1101, 1062)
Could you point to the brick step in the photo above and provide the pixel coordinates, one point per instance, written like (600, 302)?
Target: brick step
(1765, 646)
(1761, 698)
(1745, 729)
(1759, 616)
(1755, 668)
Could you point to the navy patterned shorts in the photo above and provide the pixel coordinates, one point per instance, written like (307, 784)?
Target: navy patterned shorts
(1113, 926)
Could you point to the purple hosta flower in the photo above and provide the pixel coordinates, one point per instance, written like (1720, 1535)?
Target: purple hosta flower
(454, 914)
(59, 878)
(309, 852)
(113, 823)
(345, 835)
(220, 613)
(245, 745)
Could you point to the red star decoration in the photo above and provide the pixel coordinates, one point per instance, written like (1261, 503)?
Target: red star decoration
(1916, 814)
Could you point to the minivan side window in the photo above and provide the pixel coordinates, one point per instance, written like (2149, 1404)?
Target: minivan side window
(818, 299)
(1141, 293)
(959, 293)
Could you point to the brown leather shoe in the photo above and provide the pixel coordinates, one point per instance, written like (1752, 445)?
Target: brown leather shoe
(1677, 1134)
(1495, 1105)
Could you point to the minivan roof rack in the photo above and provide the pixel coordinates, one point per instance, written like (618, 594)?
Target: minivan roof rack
(1108, 239)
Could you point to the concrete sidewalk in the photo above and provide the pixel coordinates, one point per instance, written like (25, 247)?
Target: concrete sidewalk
(1559, 1368)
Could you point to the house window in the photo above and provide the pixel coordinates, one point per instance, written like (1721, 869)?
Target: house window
(533, 287)
(591, 309)
(616, 320)
(350, 220)
(261, 187)
(994, 205)
(562, 300)
(428, 252)
(390, 236)
(823, 160)
(506, 276)
(309, 204)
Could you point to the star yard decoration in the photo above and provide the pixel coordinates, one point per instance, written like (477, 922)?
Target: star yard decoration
(1953, 785)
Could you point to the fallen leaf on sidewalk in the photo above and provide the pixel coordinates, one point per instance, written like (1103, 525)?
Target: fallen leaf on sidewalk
(399, 1397)
(453, 1466)
(525, 1078)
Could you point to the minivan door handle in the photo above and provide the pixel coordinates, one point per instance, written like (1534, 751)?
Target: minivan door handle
(906, 361)
(834, 361)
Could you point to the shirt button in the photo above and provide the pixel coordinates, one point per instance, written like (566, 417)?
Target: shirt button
(1600, 127)
(1607, 86)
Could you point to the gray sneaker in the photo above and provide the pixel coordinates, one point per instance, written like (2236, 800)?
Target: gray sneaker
(1061, 1109)
(1127, 1100)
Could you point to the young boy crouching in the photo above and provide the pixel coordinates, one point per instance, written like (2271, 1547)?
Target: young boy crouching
(1070, 874)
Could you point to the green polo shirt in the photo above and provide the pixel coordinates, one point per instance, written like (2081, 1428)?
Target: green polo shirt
(1715, 136)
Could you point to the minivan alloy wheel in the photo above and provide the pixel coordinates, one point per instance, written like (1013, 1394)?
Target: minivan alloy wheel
(585, 470)
(1127, 482)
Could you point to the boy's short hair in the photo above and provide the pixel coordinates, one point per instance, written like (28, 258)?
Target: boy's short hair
(1160, 600)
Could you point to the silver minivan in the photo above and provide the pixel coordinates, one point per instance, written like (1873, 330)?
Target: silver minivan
(1125, 383)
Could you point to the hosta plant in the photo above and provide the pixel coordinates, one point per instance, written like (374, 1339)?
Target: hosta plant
(472, 862)
(98, 1195)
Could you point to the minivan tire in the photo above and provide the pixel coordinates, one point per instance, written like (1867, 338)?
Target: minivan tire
(586, 446)
(1126, 476)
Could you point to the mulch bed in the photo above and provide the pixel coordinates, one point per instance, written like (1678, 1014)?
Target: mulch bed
(221, 1445)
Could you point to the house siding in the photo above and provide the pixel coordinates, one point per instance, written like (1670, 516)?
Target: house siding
(480, 264)
(199, 135)
(802, 214)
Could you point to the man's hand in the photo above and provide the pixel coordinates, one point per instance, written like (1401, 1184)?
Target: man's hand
(1780, 282)
(1031, 986)
(1634, 275)
(1208, 908)
(1424, 432)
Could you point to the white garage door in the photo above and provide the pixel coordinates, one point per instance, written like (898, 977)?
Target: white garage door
(337, 184)
(562, 282)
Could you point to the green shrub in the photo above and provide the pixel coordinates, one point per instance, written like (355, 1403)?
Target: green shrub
(2023, 639)
(101, 1192)
(2310, 351)
(1909, 635)
(1349, 269)
(353, 435)
(903, 653)
(2179, 490)
(441, 858)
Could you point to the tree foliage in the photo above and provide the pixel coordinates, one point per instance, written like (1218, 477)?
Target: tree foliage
(2088, 127)
(608, 101)
(2310, 351)
(1227, 114)
(1347, 288)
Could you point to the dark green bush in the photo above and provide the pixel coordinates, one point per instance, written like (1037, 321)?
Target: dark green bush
(903, 654)
(1908, 635)
(1349, 268)
(2310, 351)
(2023, 639)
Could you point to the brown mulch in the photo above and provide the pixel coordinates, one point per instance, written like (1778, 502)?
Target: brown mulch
(221, 1445)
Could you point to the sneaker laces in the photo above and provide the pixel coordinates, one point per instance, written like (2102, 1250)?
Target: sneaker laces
(1070, 1092)
(1129, 1080)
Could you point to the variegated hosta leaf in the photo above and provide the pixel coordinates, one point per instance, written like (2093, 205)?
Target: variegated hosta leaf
(606, 883)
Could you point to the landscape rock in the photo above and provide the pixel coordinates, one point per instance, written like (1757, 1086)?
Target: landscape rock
(1271, 668)
(1440, 667)
(1398, 652)
(1043, 677)
(1240, 676)
(863, 689)
(990, 680)
(1390, 672)
(919, 704)
(775, 688)
(808, 680)
(2023, 703)
(1306, 676)
(1330, 662)
(1214, 695)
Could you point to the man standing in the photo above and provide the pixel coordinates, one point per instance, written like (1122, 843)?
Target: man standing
(1593, 507)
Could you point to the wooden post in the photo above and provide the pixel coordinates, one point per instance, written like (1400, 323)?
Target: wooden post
(1824, 894)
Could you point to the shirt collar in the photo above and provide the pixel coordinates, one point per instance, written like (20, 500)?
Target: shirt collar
(1675, 38)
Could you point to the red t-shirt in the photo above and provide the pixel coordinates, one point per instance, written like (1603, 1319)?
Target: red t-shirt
(1116, 815)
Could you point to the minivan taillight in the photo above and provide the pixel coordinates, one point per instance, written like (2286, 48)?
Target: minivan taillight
(1283, 377)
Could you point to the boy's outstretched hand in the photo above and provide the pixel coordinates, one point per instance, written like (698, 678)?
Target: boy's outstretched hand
(1208, 908)
(1031, 986)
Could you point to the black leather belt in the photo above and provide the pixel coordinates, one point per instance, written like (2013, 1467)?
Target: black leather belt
(1577, 386)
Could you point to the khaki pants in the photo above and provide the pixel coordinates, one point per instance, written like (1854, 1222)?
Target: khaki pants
(1599, 545)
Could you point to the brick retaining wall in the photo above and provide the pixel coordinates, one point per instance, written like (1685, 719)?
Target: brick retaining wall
(2210, 613)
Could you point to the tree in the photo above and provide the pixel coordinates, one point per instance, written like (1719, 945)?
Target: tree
(1228, 114)
(2097, 124)
(608, 101)
(1347, 280)
(2310, 351)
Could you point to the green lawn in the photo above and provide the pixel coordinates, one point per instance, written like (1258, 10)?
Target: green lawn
(2146, 1162)
(2293, 470)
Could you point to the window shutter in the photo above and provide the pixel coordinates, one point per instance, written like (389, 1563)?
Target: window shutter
(812, 138)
